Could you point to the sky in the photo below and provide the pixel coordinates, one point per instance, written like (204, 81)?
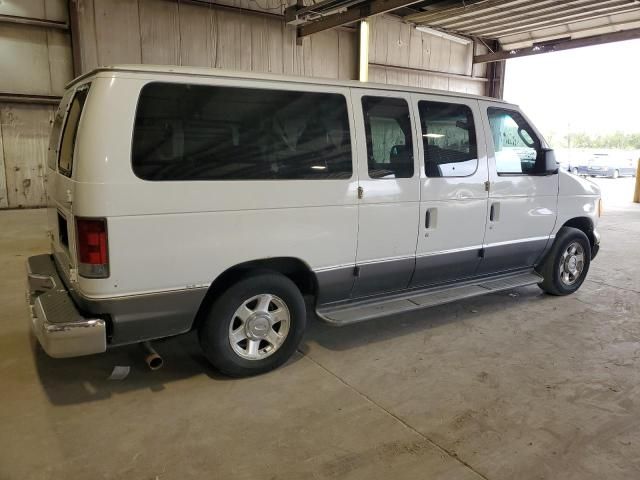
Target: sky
(595, 90)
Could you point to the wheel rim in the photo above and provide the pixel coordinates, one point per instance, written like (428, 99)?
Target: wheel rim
(572, 264)
(259, 327)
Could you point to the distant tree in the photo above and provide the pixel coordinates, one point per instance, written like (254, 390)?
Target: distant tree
(627, 141)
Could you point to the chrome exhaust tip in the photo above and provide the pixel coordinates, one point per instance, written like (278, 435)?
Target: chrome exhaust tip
(151, 357)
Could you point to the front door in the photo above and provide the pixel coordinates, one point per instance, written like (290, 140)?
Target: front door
(522, 199)
(389, 192)
(453, 197)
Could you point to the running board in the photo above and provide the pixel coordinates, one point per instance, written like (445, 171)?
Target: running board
(418, 299)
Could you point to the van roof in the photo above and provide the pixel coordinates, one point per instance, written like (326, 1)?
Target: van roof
(158, 70)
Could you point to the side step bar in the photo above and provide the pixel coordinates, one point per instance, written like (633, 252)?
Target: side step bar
(418, 299)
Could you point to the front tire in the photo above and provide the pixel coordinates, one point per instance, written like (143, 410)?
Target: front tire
(254, 326)
(567, 263)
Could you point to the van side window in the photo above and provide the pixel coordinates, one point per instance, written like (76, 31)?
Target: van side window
(518, 150)
(449, 139)
(389, 141)
(56, 128)
(200, 132)
(70, 131)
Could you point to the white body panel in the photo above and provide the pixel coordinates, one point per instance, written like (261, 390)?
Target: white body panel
(183, 234)
(524, 209)
(175, 235)
(457, 206)
(388, 211)
(578, 197)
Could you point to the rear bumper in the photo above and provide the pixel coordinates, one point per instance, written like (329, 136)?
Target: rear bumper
(56, 322)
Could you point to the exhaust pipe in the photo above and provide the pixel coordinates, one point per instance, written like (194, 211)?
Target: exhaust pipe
(153, 359)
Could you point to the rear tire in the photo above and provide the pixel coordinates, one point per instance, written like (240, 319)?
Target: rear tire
(567, 263)
(254, 326)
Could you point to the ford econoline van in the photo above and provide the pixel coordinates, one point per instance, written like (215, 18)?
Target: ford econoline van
(184, 199)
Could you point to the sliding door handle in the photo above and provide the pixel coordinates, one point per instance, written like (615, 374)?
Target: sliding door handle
(427, 219)
(494, 212)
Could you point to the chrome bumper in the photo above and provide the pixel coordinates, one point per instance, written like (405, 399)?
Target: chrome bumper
(60, 328)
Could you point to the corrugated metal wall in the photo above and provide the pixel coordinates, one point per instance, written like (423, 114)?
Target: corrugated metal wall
(37, 60)
(174, 33)
(400, 54)
(34, 60)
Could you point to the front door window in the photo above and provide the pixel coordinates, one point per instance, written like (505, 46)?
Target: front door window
(517, 147)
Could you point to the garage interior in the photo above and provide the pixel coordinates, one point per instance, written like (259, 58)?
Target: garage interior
(515, 384)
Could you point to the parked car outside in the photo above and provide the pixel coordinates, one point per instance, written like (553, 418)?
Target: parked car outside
(611, 165)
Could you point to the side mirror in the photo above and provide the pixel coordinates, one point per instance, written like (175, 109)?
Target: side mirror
(550, 166)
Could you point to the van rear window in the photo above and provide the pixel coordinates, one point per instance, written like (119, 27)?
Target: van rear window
(70, 131)
(197, 132)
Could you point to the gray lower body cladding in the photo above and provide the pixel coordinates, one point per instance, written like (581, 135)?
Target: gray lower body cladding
(352, 283)
(138, 318)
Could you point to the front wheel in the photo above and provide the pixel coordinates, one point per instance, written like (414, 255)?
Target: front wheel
(567, 263)
(254, 326)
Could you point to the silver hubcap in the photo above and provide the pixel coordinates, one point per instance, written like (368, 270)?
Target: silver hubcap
(259, 327)
(572, 263)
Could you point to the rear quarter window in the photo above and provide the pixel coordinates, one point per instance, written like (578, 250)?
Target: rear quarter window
(70, 131)
(56, 129)
(201, 132)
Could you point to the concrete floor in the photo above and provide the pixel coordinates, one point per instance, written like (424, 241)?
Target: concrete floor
(516, 385)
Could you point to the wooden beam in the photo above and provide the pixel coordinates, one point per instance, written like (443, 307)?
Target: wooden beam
(76, 47)
(434, 73)
(495, 73)
(556, 46)
(33, 22)
(363, 51)
(30, 99)
(352, 15)
(219, 6)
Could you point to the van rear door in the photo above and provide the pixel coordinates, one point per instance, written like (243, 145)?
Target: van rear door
(60, 182)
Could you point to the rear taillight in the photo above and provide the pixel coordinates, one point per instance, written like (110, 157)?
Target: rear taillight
(91, 241)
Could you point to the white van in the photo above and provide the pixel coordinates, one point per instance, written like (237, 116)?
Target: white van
(188, 199)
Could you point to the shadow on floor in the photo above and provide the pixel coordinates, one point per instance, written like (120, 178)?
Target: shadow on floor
(85, 379)
(409, 323)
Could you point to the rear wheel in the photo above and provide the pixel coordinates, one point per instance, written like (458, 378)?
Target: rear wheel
(567, 263)
(254, 326)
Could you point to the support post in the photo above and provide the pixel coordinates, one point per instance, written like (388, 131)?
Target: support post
(495, 74)
(636, 194)
(364, 51)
